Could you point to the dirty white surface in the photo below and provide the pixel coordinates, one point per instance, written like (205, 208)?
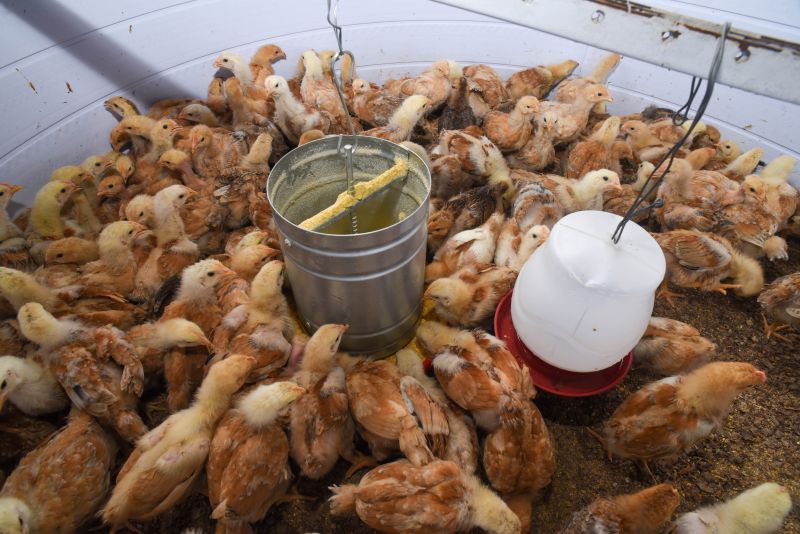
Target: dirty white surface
(61, 59)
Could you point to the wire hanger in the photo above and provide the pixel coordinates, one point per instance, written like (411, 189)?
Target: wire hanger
(678, 118)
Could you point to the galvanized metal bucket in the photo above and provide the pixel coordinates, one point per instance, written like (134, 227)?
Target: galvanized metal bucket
(372, 280)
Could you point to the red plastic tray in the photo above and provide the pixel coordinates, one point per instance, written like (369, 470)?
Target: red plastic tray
(550, 378)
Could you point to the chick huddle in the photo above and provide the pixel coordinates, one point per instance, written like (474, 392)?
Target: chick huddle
(145, 284)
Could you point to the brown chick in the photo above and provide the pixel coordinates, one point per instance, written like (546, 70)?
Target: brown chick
(493, 91)
(403, 120)
(468, 247)
(691, 197)
(671, 347)
(667, 417)
(534, 204)
(619, 201)
(464, 211)
(596, 152)
(781, 301)
(537, 81)
(153, 341)
(261, 63)
(248, 460)
(180, 163)
(538, 153)
(372, 104)
(317, 90)
(570, 89)
(173, 251)
(168, 459)
(63, 260)
(457, 113)
(195, 301)
(400, 497)
(573, 117)
(434, 82)
(511, 131)
(121, 107)
(111, 190)
(13, 247)
(261, 327)
(60, 485)
(702, 260)
(470, 295)
(321, 427)
(637, 513)
(382, 416)
(87, 364)
(292, 115)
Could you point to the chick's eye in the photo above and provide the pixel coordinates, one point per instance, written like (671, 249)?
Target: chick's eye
(111, 186)
(3, 385)
(180, 196)
(60, 255)
(224, 60)
(164, 127)
(2, 193)
(97, 164)
(63, 190)
(605, 178)
(130, 232)
(210, 274)
(752, 189)
(534, 236)
(599, 94)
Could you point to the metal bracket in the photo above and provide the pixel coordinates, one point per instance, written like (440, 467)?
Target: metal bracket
(761, 64)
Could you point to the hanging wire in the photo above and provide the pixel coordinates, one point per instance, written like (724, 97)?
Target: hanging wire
(678, 118)
(344, 149)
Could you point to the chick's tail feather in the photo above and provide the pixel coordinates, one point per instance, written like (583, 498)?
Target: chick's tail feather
(343, 500)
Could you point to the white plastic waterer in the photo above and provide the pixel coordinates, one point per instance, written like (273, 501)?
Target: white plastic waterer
(582, 302)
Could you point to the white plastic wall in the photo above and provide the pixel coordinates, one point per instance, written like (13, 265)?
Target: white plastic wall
(61, 59)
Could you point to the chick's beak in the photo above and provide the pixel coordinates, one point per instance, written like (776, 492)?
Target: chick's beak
(281, 55)
(13, 189)
(607, 99)
(218, 64)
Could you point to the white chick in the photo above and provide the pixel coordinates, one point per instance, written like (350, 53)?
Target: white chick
(30, 386)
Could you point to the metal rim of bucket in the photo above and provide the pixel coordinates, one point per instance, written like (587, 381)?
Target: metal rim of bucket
(344, 138)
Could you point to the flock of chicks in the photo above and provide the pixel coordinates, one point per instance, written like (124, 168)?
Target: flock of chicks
(131, 268)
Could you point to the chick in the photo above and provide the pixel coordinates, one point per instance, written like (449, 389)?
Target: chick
(468, 247)
(479, 157)
(168, 459)
(781, 300)
(403, 120)
(538, 153)
(382, 416)
(619, 201)
(759, 510)
(63, 259)
(537, 81)
(87, 364)
(464, 211)
(514, 247)
(434, 83)
(45, 222)
(535, 204)
(292, 116)
(458, 112)
(596, 152)
(174, 251)
(671, 347)
(372, 104)
(198, 114)
(261, 63)
(152, 341)
(60, 485)
(179, 161)
(667, 417)
(321, 427)
(436, 497)
(783, 199)
(469, 296)
(260, 328)
(743, 165)
(116, 268)
(121, 107)
(636, 513)
(585, 194)
(248, 459)
(462, 439)
(702, 260)
(317, 90)
(30, 386)
(510, 131)
(13, 247)
(573, 117)
(492, 89)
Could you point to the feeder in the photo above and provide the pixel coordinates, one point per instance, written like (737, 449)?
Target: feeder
(582, 302)
(366, 265)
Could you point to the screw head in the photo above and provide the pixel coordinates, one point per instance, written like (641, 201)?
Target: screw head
(598, 16)
(742, 55)
(287, 243)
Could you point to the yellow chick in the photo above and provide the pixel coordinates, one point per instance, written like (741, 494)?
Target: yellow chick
(45, 221)
(13, 246)
(168, 459)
